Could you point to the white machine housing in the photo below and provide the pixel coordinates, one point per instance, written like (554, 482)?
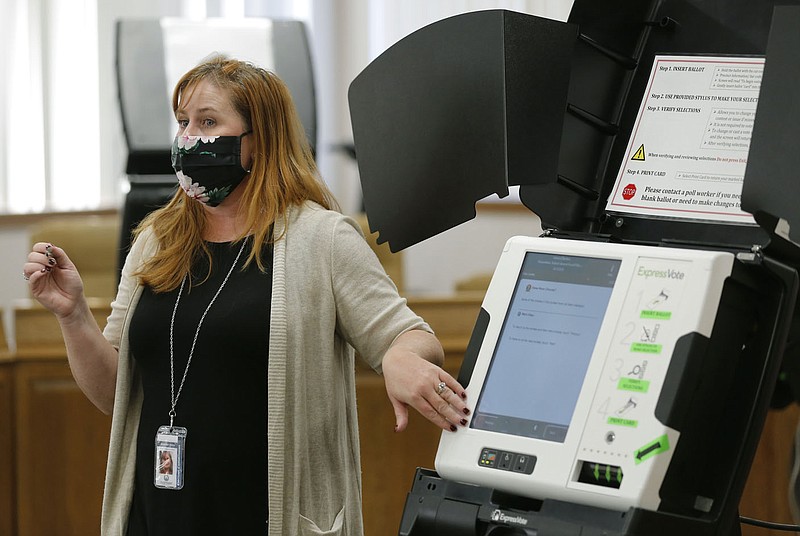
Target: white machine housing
(565, 384)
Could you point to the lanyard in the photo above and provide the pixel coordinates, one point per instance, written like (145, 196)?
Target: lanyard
(173, 396)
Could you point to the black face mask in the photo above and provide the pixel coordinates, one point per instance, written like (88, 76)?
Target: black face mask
(209, 168)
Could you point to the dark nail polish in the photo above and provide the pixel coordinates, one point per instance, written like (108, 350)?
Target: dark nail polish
(463, 422)
(452, 428)
(463, 395)
(51, 261)
(466, 411)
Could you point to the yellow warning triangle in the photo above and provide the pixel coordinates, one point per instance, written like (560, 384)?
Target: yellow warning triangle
(639, 154)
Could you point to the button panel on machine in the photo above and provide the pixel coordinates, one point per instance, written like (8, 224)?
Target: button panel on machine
(507, 461)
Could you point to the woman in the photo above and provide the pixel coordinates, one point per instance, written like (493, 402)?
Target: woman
(233, 331)
(165, 462)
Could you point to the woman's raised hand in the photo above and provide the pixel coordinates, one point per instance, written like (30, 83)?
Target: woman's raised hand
(54, 280)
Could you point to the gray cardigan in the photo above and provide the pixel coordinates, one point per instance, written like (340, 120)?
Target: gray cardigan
(329, 296)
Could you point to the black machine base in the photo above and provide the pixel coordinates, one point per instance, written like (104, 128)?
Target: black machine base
(446, 508)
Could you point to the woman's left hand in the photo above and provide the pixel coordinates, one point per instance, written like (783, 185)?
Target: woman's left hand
(412, 379)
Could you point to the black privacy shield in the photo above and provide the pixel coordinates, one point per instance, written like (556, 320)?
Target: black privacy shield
(455, 112)
(772, 179)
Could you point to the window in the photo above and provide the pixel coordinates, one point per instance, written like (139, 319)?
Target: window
(50, 94)
(61, 143)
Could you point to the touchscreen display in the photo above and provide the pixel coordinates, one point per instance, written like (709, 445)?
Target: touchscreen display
(545, 345)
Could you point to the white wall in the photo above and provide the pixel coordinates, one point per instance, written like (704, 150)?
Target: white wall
(437, 264)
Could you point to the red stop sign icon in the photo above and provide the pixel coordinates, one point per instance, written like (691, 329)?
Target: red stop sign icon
(628, 192)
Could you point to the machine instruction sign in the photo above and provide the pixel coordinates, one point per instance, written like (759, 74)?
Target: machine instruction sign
(688, 150)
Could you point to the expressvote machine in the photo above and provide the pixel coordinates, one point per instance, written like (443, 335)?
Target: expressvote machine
(624, 360)
(573, 361)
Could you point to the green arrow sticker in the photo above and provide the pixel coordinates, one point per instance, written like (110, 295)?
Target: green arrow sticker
(653, 448)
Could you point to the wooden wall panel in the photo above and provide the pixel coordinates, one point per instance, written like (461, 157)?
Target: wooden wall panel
(61, 449)
(38, 334)
(3, 341)
(389, 459)
(7, 469)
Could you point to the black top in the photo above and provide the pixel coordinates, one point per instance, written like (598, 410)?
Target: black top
(223, 404)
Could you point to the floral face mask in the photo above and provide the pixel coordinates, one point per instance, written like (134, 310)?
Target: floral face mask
(208, 167)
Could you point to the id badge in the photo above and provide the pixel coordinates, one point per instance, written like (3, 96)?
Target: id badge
(169, 457)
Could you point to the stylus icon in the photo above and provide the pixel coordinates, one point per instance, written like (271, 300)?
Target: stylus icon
(629, 405)
(649, 335)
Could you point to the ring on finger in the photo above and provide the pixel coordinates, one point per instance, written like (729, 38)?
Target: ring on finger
(441, 388)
